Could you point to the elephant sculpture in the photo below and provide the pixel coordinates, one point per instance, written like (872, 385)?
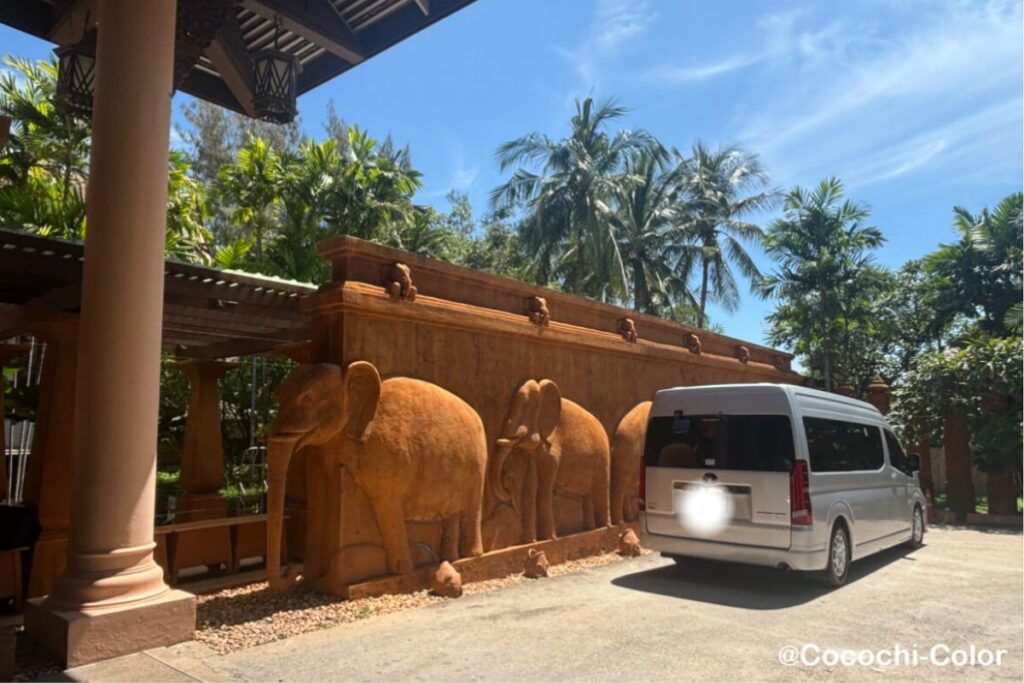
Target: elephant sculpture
(417, 451)
(627, 455)
(566, 449)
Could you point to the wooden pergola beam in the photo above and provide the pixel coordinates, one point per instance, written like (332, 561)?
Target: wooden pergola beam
(315, 20)
(240, 347)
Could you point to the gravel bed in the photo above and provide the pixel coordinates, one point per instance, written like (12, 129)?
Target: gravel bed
(237, 618)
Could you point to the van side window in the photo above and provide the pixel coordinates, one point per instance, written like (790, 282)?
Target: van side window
(897, 456)
(839, 446)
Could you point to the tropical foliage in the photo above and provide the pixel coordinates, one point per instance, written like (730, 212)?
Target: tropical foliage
(825, 282)
(45, 165)
(617, 217)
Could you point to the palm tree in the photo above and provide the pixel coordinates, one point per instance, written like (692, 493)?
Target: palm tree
(567, 230)
(44, 166)
(979, 276)
(723, 188)
(251, 187)
(824, 270)
(654, 273)
(373, 196)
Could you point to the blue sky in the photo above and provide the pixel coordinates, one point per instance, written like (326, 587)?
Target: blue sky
(917, 106)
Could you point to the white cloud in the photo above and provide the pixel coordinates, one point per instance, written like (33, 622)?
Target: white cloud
(780, 41)
(614, 24)
(859, 112)
(678, 75)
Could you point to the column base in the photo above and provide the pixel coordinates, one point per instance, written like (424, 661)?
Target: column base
(49, 557)
(79, 638)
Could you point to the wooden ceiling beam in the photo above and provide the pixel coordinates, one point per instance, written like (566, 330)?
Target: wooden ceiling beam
(232, 61)
(315, 20)
(71, 25)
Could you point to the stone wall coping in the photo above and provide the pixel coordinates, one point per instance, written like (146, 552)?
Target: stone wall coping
(356, 260)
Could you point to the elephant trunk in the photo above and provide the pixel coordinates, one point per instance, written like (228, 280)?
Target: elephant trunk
(503, 448)
(279, 454)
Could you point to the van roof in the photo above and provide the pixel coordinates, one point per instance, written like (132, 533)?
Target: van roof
(791, 390)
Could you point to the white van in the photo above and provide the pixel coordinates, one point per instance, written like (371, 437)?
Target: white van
(776, 475)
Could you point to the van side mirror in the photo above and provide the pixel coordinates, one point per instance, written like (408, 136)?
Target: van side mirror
(913, 462)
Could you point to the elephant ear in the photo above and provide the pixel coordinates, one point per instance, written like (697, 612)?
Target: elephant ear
(550, 410)
(362, 392)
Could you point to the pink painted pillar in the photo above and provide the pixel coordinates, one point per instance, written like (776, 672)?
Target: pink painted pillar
(111, 598)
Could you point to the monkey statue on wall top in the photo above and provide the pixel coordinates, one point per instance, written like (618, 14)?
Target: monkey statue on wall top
(537, 310)
(692, 342)
(398, 282)
(627, 328)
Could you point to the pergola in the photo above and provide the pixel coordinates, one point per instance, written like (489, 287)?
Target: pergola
(111, 598)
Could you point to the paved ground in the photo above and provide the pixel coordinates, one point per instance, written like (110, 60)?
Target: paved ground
(648, 619)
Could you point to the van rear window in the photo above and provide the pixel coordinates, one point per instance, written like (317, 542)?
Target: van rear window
(762, 443)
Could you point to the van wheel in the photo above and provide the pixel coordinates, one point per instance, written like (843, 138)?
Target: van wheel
(838, 567)
(917, 528)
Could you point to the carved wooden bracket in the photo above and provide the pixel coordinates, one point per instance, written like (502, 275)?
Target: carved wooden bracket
(537, 310)
(743, 354)
(627, 328)
(398, 282)
(692, 342)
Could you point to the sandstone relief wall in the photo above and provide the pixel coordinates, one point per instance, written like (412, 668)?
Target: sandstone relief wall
(447, 413)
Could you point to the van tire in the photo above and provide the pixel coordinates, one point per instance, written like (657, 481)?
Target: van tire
(837, 568)
(916, 528)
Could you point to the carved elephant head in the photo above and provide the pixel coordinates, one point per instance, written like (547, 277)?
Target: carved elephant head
(533, 416)
(317, 403)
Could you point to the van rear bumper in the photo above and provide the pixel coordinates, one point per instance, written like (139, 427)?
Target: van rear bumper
(800, 560)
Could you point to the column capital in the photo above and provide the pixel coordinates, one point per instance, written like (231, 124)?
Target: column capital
(878, 394)
(844, 389)
(195, 368)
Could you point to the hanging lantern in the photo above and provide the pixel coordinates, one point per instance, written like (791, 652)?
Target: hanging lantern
(76, 76)
(275, 83)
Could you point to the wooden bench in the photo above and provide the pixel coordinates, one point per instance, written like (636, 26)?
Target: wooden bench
(211, 543)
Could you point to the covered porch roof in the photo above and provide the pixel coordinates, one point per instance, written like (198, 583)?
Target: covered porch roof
(215, 39)
(207, 313)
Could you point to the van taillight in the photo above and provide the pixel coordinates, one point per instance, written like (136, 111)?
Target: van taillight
(799, 495)
(642, 500)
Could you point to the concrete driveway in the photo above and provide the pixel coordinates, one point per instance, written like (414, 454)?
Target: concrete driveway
(649, 619)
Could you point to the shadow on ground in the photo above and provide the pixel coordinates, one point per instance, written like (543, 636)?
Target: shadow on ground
(748, 586)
